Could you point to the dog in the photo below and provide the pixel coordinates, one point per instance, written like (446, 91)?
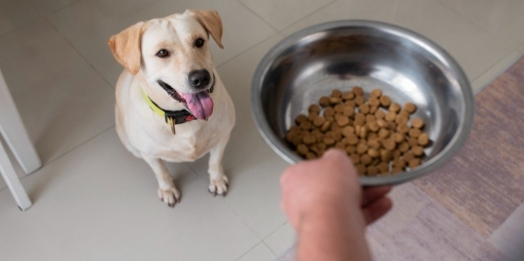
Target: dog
(170, 102)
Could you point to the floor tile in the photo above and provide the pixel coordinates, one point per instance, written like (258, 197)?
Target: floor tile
(14, 13)
(50, 6)
(62, 100)
(461, 38)
(282, 240)
(509, 237)
(419, 229)
(502, 18)
(492, 73)
(521, 48)
(100, 197)
(487, 172)
(89, 24)
(253, 168)
(259, 253)
(282, 13)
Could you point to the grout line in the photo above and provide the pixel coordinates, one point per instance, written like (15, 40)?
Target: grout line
(256, 14)
(307, 16)
(63, 154)
(80, 54)
(247, 50)
(245, 253)
(39, 16)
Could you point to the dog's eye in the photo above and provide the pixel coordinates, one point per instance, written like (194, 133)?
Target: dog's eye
(199, 42)
(163, 53)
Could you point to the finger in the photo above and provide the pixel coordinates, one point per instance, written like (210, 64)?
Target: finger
(371, 194)
(377, 209)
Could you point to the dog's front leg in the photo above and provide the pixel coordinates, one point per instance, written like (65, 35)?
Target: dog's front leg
(167, 191)
(218, 180)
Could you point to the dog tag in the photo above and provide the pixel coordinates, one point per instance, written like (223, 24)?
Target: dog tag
(172, 122)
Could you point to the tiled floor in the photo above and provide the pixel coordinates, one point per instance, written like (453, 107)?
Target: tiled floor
(94, 201)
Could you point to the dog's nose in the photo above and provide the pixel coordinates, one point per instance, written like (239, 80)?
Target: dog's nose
(199, 78)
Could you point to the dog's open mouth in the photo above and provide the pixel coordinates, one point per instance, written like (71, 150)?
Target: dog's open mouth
(199, 104)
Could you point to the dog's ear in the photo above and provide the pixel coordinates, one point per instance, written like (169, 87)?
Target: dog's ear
(211, 21)
(126, 47)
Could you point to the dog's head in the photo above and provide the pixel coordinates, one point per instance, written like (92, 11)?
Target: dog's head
(173, 55)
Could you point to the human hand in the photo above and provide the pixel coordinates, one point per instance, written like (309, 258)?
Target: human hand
(330, 185)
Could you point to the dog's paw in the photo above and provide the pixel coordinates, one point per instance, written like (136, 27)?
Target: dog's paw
(169, 196)
(219, 185)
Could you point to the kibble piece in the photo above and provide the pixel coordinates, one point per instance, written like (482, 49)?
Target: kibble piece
(423, 139)
(382, 123)
(390, 116)
(347, 131)
(301, 118)
(358, 91)
(372, 170)
(305, 125)
(372, 136)
(363, 132)
(312, 116)
(399, 163)
(370, 118)
(337, 135)
(412, 142)
(376, 93)
(324, 101)
(365, 159)
(398, 137)
(330, 118)
(414, 163)
(373, 101)
(339, 108)
(383, 168)
(319, 121)
(336, 93)
(396, 170)
(403, 147)
(389, 144)
(401, 119)
(340, 146)
(362, 148)
(297, 140)
(404, 113)
(329, 112)
(396, 155)
(417, 151)
(373, 153)
(342, 120)
(385, 100)
(394, 107)
(385, 155)
(360, 119)
(417, 123)
(348, 111)
(290, 136)
(348, 96)
(325, 126)
(360, 100)
(294, 128)
(309, 139)
(392, 126)
(380, 114)
(352, 139)
(334, 100)
(314, 108)
(410, 107)
(350, 104)
(383, 133)
(373, 125)
(403, 128)
(375, 144)
(414, 133)
(361, 169)
(310, 156)
(355, 158)
(352, 150)
(302, 149)
(363, 108)
(408, 156)
(373, 109)
(329, 141)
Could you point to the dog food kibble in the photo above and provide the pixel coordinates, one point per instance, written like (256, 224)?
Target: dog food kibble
(410, 107)
(373, 130)
(417, 123)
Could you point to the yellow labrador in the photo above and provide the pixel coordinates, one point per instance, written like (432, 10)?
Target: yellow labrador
(170, 102)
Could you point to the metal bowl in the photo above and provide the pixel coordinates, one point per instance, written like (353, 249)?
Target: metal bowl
(343, 54)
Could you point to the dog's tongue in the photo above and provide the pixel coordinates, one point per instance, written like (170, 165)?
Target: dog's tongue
(200, 104)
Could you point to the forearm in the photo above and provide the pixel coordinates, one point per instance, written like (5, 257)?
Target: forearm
(329, 234)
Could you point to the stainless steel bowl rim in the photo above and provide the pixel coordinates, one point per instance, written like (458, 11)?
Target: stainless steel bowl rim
(429, 166)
